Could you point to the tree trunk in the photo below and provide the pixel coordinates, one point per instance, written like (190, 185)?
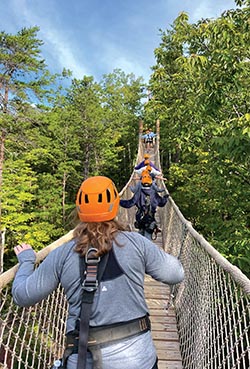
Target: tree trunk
(63, 197)
(130, 163)
(2, 232)
(86, 162)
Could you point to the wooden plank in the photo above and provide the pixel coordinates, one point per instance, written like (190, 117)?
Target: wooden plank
(157, 314)
(164, 328)
(168, 355)
(169, 364)
(165, 336)
(161, 319)
(169, 345)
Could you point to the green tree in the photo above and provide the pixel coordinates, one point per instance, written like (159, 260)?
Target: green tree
(200, 93)
(51, 140)
(122, 102)
(20, 66)
(24, 82)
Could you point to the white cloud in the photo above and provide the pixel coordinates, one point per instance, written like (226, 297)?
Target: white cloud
(57, 47)
(113, 56)
(97, 44)
(210, 9)
(129, 66)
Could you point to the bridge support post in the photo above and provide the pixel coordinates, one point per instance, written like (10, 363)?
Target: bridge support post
(140, 127)
(158, 127)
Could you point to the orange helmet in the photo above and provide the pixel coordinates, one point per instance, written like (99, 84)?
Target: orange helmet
(97, 200)
(146, 179)
(146, 156)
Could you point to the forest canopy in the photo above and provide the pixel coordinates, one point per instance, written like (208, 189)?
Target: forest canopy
(52, 137)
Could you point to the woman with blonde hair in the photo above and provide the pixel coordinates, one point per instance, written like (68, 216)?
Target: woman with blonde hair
(119, 316)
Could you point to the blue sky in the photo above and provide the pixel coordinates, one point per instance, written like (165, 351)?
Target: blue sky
(93, 37)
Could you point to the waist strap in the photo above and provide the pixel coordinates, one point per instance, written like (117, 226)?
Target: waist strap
(105, 336)
(108, 334)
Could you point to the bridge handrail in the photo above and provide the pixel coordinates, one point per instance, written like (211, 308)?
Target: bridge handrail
(235, 272)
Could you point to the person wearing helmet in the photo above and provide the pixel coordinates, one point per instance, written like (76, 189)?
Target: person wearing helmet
(146, 179)
(145, 162)
(152, 137)
(146, 199)
(150, 169)
(119, 303)
(148, 138)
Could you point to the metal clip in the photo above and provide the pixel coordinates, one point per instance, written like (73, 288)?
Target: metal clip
(91, 260)
(89, 286)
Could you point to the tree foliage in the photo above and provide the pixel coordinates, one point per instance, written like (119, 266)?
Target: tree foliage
(201, 95)
(50, 146)
(52, 138)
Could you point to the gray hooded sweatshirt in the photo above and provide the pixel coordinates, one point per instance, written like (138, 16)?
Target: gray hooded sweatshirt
(119, 298)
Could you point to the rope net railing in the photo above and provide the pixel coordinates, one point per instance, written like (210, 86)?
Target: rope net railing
(212, 304)
(32, 337)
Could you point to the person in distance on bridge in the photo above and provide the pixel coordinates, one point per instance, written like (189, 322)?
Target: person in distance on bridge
(153, 172)
(152, 136)
(119, 306)
(148, 170)
(145, 162)
(146, 199)
(148, 138)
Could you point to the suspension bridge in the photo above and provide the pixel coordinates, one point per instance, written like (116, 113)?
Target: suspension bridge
(202, 323)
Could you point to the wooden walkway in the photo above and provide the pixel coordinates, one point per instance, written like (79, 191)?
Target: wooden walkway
(164, 327)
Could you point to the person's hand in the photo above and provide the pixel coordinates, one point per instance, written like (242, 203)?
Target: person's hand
(20, 248)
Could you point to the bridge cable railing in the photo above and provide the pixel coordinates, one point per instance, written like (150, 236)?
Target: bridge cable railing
(212, 304)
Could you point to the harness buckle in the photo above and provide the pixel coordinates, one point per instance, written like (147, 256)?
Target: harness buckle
(90, 283)
(89, 286)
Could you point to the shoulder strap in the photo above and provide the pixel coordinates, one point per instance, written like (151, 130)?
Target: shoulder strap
(94, 269)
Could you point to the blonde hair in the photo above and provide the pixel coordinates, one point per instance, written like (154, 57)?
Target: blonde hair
(98, 235)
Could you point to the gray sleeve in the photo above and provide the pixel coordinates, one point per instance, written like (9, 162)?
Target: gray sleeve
(142, 253)
(33, 285)
(162, 266)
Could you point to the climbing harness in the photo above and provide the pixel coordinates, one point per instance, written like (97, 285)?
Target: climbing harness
(155, 233)
(91, 273)
(145, 220)
(86, 338)
(104, 336)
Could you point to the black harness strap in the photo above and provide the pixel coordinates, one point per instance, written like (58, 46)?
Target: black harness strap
(83, 338)
(89, 285)
(103, 336)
